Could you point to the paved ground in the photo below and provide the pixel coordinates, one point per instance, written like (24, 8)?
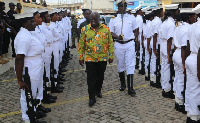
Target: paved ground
(72, 105)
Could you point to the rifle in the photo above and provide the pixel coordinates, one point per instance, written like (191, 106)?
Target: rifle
(46, 96)
(31, 103)
(137, 56)
(172, 72)
(158, 68)
(143, 63)
(54, 89)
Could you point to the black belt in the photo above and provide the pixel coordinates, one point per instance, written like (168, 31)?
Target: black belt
(124, 42)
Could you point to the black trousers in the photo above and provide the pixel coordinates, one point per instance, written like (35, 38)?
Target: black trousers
(95, 76)
(6, 42)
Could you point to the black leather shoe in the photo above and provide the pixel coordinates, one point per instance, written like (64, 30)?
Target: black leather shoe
(122, 88)
(37, 121)
(57, 90)
(92, 101)
(48, 100)
(43, 109)
(40, 114)
(131, 91)
(99, 94)
(59, 86)
(53, 97)
(168, 94)
(158, 85)
(147, 78)
(122, 80)
(152, 84)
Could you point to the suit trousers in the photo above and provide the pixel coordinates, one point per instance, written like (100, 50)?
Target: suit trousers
(95, 76)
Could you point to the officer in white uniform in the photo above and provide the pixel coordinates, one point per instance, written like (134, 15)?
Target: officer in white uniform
(124, 44)
(191, 71)
(57, 39)
(180, 38)
(139, 21)
(149, 36)
(29, 54)
(156, 22)
(167, 34)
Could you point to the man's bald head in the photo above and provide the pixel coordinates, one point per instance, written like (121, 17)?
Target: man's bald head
(95, 18)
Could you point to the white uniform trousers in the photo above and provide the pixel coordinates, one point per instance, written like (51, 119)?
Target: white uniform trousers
(146, 57)
(56, 48)
(152, 63)
(125, 54)
(194, 92)
(141, 50)
(35, 68)
(61, 50)
(178, 84)
(47, 59)
(165, 73)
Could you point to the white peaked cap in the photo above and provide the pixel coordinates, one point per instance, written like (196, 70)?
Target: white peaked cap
(147, 12)
(138, 8)
(32, 10)
(186, 10)
(24, 15)
(196, 9)
(128, 9)
(171, 6)
(146, 8)
(118, 1)
(133, 11)
(41, 10)
(68, 10)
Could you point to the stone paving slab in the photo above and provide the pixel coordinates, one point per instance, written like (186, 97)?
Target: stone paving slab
(72, 105)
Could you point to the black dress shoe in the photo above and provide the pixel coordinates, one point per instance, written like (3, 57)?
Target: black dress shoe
(40, 114)
(48, 100)
(92, 101)
(122, 88)
(168, 94)
(59, 86)
(152, 84)
(43, 109)
(53, 97)
(57, 90)
(147, 78)
(158, 85)
(37, 121)
(99, 94)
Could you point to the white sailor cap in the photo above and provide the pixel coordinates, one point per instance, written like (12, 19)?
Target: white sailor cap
(41, 10)
(23, 16)
(171, 6)
(196, 9)
(121, 1)
(128, 9)
(133, 11)
(186, 10)
(32, 10)
(147, 12)
(146, 8)
(68, 11)
(138, 8)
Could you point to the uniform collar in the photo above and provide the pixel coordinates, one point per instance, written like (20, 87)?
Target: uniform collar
(170, 18)
(119, 15)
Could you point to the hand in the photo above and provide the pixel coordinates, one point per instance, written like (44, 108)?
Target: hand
(169, 60)
(23, 85)
(110, 61)
(81, 62)
(143, 45)
(149, 51)
(156, 54)
(120, 37)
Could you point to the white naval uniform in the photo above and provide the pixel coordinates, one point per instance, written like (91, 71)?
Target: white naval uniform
(139, 21)
(69, 28)
(125, 53)
(27, 44)
(57, 38)
(155, 25)
(191, 70)
(147, 34)
(62, 40)
(166, 31)
(48, 47)
(180, 35)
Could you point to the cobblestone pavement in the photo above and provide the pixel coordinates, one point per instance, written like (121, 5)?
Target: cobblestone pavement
(72, 105)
